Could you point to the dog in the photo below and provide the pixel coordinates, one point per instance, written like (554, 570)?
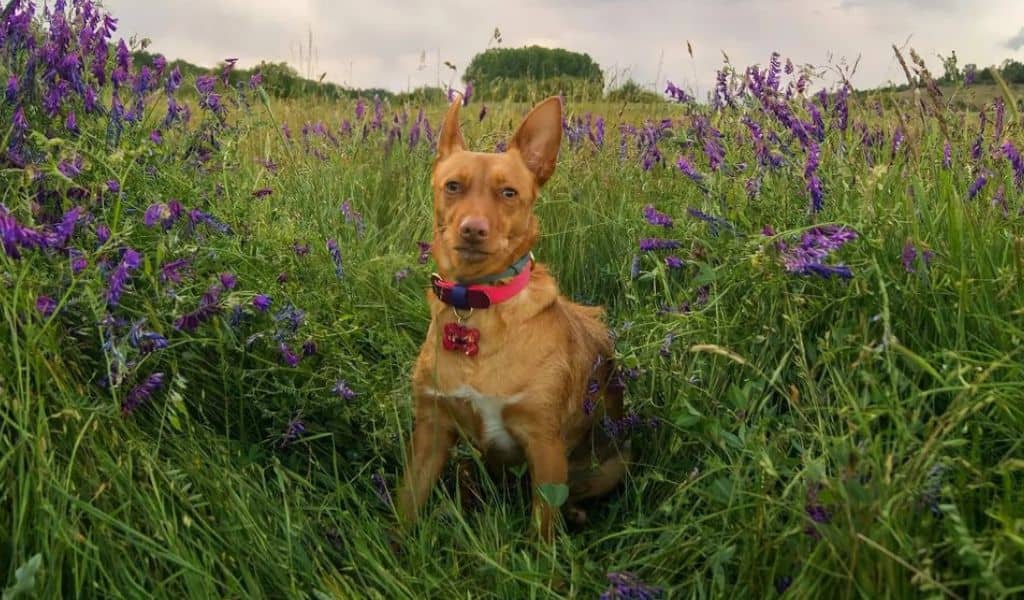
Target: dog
(508, 363)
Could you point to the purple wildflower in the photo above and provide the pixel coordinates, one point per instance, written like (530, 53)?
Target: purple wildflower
(360, 109)
(170, 272)
(71, 123)
(142, 392)
(658, 219)
(102, 234)
(144, 341)
(228, 280)
(910, 254)
(341, 389)
(1016, 161)
(156, 137)
(309, 348)
(78, 262)
(687, 168)
(353, 216)
(130, 261)
(11, 92)
(677, 94)
(113, 186)
(401, 274)
(255, 80)
(209, 305)
(287, 356)
(947, 155)
(424, 252)
(295, 428)
(380, 487)
(673, 262)
(262, 193)
(300, 249)
(262, 302)
(332, 247)
(976, 186)
(627, 585)
(45, 305)
(71, 168)
(652, 244)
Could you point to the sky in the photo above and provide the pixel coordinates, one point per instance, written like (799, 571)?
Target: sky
(397, 44)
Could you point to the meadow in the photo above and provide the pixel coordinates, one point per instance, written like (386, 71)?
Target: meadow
(211, 301)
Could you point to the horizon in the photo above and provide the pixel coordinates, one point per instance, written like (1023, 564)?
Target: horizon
(382, 50)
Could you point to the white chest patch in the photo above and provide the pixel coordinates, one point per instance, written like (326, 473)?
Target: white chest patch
(488, 408)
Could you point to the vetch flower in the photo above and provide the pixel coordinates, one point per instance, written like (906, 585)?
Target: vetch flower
(910, 254)
(295, 428)
(687, 168)
(332, 247)
(141, 393)
(228, 280)
(658, 219)
(262, 302)
(170, 272)
(130, 260)
(341, 388)
(287, 356)
(652, 244)
(45, 305)
(424, 252)
(144, 341)
(1016, 161)
(627, 585)
(976, 186)
(673, 262)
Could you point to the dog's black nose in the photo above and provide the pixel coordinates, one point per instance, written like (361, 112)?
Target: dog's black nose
(474, 229)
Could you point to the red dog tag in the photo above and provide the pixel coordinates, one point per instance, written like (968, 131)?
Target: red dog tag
(459, 338)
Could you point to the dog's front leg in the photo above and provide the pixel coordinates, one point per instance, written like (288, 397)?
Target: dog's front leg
(432, 438)
(548, 465)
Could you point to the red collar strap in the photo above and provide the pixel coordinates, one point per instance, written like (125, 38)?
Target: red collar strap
(464, 296)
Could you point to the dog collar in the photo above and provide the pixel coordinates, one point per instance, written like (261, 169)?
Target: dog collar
(476, 294)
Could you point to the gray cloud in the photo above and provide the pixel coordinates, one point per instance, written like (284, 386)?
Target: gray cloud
(1017, 41)
(379, 43)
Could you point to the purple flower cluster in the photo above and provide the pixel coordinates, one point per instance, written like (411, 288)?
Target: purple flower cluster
(627, 585)
(652, 244)
(656, 218)
(910, 254)
(335, 251)
(142, 392)
(677, 94)
(808, 257)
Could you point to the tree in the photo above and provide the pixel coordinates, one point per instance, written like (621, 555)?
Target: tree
(516, 72)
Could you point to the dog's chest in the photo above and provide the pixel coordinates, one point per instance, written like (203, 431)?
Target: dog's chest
(488, 408)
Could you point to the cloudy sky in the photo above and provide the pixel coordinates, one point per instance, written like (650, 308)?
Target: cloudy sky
(381, 43)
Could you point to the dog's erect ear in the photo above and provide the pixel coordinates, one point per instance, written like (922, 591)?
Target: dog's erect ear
(451, 134)
(539, 137)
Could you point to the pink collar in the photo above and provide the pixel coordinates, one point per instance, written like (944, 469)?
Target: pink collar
(463, 296)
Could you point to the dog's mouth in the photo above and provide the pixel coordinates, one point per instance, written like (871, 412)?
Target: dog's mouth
(471, 254)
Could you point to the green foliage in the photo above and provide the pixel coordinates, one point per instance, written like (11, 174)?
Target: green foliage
(631, 92)
(519, 74)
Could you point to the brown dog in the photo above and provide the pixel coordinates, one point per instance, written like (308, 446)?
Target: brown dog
(508, 363)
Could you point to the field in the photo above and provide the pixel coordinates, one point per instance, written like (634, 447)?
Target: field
(209, 324)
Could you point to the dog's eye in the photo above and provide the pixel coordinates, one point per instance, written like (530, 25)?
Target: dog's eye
(509, 193)
(453, 187)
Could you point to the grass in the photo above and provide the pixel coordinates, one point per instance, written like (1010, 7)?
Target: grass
(888, 405)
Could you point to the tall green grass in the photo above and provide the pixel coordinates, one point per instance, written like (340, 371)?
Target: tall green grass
(893, 401)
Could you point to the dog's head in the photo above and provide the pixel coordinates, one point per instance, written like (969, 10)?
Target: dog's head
(483, 202)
